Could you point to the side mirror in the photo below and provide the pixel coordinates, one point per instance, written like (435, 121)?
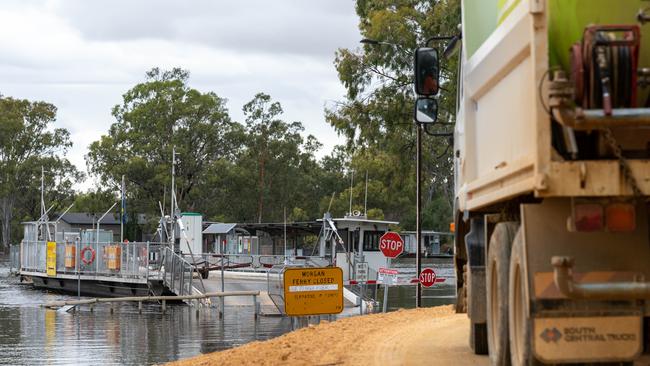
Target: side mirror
(427, 71)
(426, 110)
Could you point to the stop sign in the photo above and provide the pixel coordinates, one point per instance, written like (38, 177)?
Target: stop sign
(391, 244)
(427, 277)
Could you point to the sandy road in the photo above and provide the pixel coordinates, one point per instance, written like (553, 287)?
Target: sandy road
(432, 336)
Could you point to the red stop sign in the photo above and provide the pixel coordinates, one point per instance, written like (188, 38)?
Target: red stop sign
(391, 244)
(427, 277)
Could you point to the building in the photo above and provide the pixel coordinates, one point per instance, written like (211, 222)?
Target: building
(75, 221)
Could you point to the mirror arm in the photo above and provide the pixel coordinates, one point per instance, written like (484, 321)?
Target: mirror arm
(437, 134)
(437, 39)
(451, 46)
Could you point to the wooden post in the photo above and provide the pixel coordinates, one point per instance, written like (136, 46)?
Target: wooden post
(164, 306)
(256, 306)
(139, 307)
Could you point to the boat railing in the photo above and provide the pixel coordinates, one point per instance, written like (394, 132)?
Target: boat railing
(177, 273)
(140, 260)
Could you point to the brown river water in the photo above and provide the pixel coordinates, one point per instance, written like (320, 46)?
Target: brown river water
(32, 335)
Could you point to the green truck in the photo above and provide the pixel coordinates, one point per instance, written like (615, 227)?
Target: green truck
(552, 172)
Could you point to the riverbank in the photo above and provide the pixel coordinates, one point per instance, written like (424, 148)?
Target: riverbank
(419, 336)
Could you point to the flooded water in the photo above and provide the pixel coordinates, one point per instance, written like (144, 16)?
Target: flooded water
(32, 335)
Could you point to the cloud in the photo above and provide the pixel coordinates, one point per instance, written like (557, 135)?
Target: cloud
(294, 26)
(83, 55)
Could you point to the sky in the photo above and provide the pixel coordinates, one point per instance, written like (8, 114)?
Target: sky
(82, 55)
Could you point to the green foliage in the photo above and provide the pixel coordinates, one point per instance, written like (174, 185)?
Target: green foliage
(155, 117)
(27, 143)
(228, 171)
(377, 116)
(94, 201)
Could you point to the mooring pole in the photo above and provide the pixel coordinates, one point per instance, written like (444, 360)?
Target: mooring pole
(77, 245)
(223, 286)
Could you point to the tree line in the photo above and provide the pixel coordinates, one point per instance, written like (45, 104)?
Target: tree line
(248, 171)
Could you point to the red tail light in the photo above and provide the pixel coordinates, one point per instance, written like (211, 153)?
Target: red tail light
(588, 217)
(621, 217)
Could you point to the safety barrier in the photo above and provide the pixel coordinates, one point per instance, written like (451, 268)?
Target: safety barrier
(123, 260)
(14, 257)
(177, 273)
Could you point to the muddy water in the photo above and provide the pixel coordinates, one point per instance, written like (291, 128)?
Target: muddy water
(31, 335)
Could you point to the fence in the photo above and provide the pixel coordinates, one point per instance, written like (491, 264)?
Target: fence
(177, 273)
(125, 260)
(14, 257)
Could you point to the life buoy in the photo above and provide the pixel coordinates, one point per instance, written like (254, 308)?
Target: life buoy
(86, 260)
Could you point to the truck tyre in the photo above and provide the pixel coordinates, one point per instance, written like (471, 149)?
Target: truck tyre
(497, 278)
(478, 338)
(521, 351)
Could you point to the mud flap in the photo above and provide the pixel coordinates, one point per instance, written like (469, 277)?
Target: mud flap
(588, 339)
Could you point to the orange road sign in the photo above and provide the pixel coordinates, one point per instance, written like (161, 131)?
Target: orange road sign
(313, 291)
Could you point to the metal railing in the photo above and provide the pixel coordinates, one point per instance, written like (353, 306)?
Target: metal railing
(253, 261)
(14, 257)
(177, 273)
(124, 260)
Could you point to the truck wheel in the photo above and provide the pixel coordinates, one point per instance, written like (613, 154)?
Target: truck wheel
(520, 326)
(461, 296)
(478, 338)
(497, 276)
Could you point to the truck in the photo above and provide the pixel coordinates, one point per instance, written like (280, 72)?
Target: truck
(552, 178)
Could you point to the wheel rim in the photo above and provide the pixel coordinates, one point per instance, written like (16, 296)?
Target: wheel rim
(494, 304)
(519, 317)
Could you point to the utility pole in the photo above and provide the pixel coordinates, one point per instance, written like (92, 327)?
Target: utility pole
(122, 210)
(418, 214)
(173, 195)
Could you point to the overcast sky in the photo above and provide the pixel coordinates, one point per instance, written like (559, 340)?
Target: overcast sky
(83, 55)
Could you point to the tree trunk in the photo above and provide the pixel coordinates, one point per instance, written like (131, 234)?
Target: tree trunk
(260, 200)
(6, 214)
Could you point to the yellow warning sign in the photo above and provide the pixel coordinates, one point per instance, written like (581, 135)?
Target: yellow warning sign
(50, 260)
(313, 291)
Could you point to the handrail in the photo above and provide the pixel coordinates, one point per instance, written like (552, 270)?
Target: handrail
(178, 273)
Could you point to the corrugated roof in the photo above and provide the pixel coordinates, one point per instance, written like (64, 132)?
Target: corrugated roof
(219, 228)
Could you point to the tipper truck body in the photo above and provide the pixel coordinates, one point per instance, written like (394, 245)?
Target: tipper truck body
(552, 172)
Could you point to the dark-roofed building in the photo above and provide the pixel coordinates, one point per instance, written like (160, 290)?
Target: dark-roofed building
(73, 221)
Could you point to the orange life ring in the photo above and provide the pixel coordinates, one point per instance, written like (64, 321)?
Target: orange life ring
(83, 255)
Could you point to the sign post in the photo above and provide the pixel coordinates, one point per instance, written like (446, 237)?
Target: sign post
(385, 304)
(391, 245)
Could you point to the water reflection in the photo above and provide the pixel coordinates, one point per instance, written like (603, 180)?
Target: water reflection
(31, 335)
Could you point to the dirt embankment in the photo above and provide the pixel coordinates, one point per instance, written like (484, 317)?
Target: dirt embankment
(430, 336)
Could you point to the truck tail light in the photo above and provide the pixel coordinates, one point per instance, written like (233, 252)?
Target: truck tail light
(621, 217)
(588, 217)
